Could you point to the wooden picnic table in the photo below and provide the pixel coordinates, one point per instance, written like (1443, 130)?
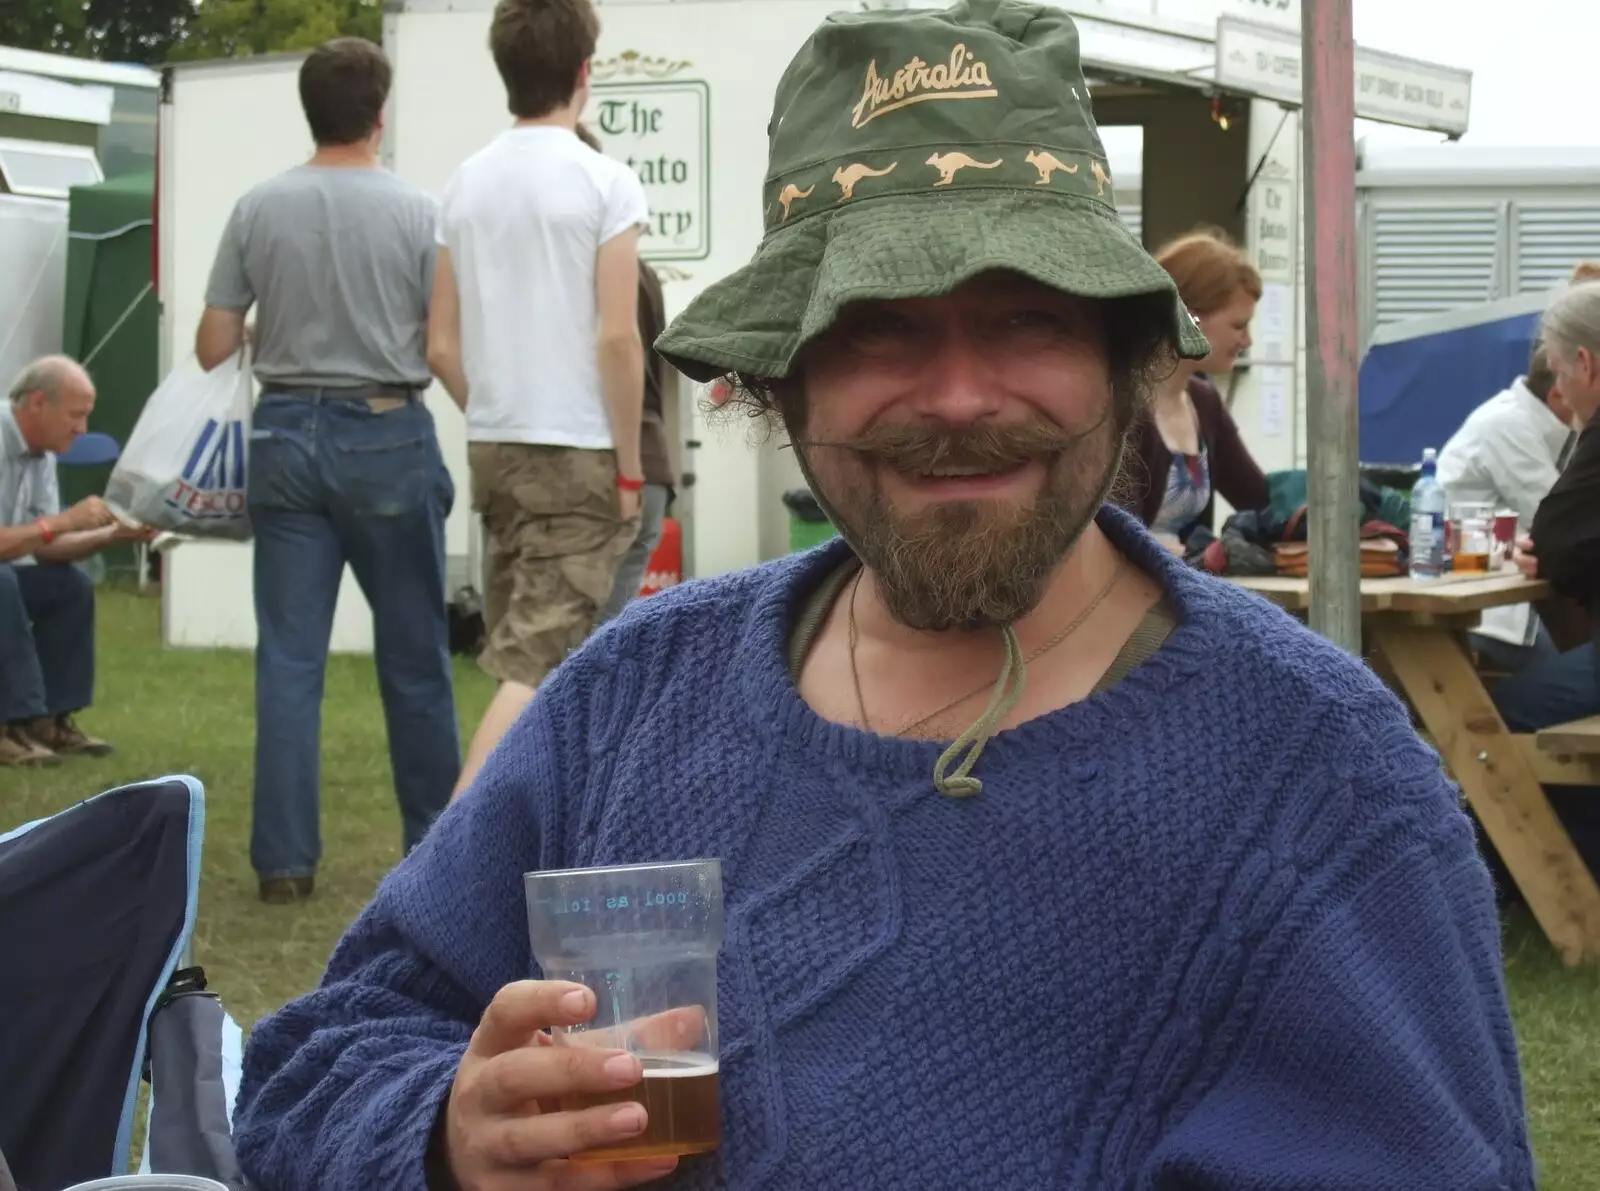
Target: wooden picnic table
(1413, 629)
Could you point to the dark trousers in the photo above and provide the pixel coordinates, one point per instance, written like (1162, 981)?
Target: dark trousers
(334, 484)
(46, 640)
(1554, 689)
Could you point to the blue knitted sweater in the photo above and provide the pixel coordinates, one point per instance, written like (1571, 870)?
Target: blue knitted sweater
(1222, 926)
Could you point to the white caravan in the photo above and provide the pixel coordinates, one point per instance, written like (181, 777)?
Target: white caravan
(64, 122)
(683, 90)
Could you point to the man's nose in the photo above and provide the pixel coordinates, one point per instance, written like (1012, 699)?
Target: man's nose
(958, 384)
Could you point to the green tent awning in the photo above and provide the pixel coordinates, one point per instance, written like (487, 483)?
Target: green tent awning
(111, 322)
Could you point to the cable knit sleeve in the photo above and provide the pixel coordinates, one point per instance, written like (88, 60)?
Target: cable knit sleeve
(1378, 1052)
(342, 1087)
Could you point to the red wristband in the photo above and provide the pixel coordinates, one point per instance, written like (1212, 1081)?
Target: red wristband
(627, 485)
(48, 534)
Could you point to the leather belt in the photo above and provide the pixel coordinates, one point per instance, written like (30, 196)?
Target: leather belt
(378, 398)
(341, 392)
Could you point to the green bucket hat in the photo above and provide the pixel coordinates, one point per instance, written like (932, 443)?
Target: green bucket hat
(911, 150)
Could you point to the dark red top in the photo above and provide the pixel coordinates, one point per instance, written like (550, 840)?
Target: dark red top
(1234, 474)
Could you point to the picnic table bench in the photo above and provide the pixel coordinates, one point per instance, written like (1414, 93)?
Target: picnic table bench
(1579, 738)
(1413, 631)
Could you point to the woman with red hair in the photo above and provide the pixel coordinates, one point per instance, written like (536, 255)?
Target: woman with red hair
(1188, 450)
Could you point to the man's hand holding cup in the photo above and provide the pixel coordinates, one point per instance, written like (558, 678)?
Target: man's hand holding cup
(504, 1127)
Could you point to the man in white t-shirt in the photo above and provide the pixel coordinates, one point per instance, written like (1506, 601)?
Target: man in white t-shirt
(534, 331)
(1508, 453)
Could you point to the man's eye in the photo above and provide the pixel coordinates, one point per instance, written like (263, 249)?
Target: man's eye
(877, 328)
(1036, 319)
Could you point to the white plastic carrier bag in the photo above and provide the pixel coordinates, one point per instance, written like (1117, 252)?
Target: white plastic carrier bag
(183, 469)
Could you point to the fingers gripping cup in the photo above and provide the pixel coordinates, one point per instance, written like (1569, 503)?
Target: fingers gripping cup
(644, 938)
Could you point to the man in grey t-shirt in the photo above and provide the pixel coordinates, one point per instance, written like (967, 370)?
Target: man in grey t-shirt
(336, 256)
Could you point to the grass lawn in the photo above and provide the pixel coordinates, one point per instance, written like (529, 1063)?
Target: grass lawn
(175, 711)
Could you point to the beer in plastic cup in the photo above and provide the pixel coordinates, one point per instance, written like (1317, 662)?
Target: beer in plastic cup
(1472, 534)
(644, 939)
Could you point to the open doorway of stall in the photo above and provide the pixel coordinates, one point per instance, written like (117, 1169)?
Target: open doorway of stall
(1124, 145)
(1178, 159)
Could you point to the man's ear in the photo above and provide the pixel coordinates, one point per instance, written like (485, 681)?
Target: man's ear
(1586, 364)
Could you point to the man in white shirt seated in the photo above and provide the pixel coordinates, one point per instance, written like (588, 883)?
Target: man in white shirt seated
(1508, 453)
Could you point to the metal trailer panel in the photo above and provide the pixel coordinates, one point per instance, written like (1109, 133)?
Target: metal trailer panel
(1455, 226)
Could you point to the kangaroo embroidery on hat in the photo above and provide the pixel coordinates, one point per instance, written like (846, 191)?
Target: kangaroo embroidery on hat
(790, 193)
(963, 78)
(846, 177)
(1047, 164)
(948, 163)
(1100, 177)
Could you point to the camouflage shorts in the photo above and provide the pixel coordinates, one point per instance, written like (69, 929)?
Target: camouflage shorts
(555, 537)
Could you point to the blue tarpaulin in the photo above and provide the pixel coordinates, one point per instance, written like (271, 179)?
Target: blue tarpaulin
(1422, 377)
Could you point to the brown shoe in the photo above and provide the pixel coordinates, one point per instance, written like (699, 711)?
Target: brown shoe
(284, 891)
(60, 735)
(18, 751)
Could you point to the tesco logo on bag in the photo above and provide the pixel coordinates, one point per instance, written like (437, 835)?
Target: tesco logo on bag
(212, 484)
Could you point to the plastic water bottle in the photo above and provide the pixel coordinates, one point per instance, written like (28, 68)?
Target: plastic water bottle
(1427, 520)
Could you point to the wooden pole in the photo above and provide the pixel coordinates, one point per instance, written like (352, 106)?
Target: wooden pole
(1329, 179)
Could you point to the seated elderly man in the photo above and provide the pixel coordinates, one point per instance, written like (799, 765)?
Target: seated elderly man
(1563, 547)
(1048, 861)
(46, 603)
(1563, 543)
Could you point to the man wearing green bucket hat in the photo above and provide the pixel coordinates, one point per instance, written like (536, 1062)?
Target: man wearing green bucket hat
(1047, 861)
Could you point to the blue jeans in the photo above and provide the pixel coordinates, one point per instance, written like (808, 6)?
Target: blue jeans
(46, 640)
(333, 482)
(630, 572)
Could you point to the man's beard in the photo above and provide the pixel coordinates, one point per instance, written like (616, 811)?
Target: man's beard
(971, 563)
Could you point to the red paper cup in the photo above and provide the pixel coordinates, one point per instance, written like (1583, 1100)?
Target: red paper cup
(1505, 538)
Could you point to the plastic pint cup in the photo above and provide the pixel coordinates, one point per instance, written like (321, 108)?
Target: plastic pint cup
(150, 1182)
(644, 938)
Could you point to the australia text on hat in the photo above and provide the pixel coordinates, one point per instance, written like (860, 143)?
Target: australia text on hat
(962, 78)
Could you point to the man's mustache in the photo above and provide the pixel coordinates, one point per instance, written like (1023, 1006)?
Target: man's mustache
(924, 447)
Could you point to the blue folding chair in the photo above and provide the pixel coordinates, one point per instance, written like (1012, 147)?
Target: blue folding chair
(97, 907)
(90, 450)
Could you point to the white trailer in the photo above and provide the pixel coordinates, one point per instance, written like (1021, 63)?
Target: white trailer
(109, 107)
(63, 123)
(683, 90)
